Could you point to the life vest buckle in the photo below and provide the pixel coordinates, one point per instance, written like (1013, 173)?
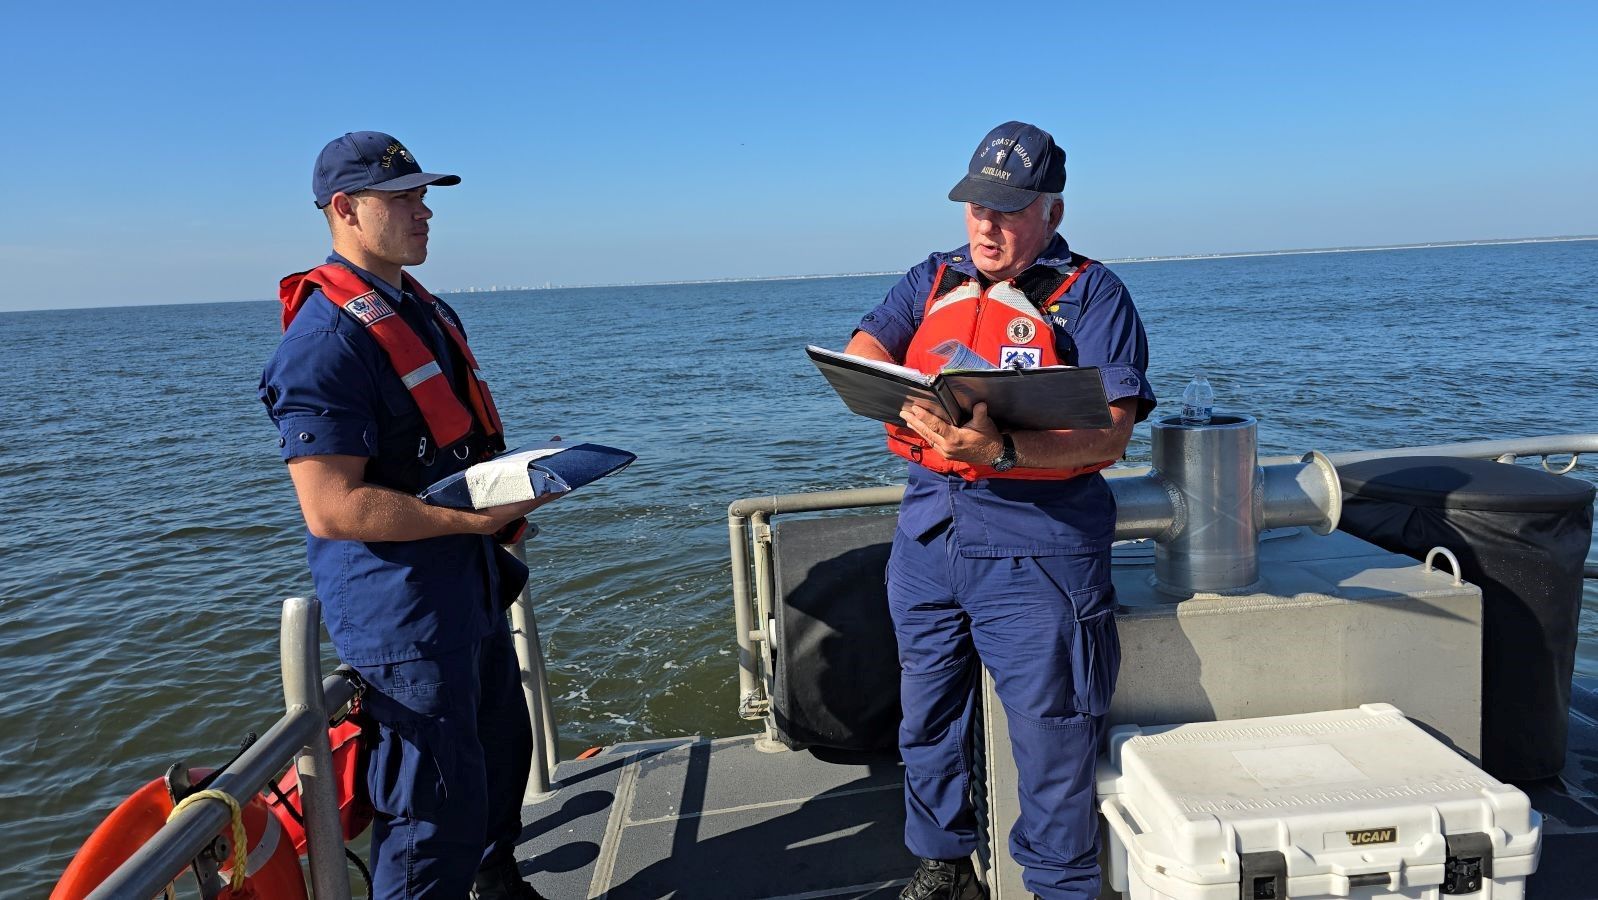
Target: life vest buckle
(359, 685)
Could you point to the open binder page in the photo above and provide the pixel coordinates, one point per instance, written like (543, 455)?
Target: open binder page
(879, 390)
(1039, 399)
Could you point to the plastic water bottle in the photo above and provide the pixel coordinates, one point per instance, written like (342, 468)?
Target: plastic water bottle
(1198, 401)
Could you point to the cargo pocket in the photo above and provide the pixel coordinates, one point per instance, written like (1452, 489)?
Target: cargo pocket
(1095, 647)
(413, 753)
(1096, 656)
(406, 778)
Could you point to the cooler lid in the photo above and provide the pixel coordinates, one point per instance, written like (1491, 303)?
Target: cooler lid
(1362, 786)
(1447, 482)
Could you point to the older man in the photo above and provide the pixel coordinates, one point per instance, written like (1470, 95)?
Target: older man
(1002, 553)
(375, 395)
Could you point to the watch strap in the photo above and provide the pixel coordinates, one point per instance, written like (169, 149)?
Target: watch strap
(1007, 455)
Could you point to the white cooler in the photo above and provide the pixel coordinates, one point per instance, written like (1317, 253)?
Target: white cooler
(1351, 803)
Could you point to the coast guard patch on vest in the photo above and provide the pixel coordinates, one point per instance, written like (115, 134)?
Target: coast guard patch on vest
(1020, 357)
(369, 308)
(1021, 330)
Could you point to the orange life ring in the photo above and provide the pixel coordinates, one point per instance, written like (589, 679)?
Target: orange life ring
(272, 870)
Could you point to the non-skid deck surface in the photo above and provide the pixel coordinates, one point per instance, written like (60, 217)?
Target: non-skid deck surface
(721, 820)
(1568, 869)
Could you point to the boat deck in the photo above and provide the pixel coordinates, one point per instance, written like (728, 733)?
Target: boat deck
(719, 819)
(723, 820)
(1569, 804)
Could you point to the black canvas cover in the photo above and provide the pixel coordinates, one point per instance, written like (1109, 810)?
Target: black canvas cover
(837, 664)
(1522, 536)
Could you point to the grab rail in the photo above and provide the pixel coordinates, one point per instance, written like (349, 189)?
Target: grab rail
(754, 587)
(535, 684)
(300, 737)
(301, 733)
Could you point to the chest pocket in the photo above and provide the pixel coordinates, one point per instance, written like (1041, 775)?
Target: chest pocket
(403, 418)
(1063, 322)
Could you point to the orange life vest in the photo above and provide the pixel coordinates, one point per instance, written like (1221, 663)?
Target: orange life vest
(449, 421)
(350, 742)
(1006, 325)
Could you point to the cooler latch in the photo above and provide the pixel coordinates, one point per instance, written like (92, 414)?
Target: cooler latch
(1470, 863)
(1264, 876)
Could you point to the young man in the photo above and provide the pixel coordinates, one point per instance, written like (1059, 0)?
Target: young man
(376, 395)
(1002, 554)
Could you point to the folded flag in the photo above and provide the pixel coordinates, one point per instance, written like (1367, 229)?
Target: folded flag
(535, 470)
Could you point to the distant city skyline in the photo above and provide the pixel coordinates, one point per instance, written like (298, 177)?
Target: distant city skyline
(1131, 260)
(162, 153)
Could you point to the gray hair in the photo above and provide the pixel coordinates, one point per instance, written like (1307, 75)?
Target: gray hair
(1049, 200)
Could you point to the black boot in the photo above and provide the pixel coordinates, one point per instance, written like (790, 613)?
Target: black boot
(502, 883)
(943, 879)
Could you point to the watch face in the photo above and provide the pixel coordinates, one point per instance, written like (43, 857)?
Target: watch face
(1007, 456)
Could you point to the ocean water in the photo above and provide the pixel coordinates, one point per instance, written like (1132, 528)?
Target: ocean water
(152, 532)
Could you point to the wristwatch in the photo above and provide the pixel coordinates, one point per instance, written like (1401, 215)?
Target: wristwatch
(1006, 459)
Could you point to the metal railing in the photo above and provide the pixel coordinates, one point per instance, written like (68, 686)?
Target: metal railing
(754, 589)
(535, 686)
(300, 736)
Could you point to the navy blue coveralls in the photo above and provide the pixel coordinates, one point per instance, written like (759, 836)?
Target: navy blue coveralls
(1016, 574)
(422, 621)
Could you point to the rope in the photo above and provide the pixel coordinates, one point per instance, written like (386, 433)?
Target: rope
(241, 853)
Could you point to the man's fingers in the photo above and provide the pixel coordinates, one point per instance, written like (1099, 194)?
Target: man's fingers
(979, 417)
(919, 423)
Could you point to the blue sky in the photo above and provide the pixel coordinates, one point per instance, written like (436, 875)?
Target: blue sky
(161, 152)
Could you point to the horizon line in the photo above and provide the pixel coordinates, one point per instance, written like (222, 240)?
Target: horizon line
(1231, 254)
(1237, 254)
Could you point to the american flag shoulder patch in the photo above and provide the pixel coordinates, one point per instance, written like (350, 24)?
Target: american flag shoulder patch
(368, 308)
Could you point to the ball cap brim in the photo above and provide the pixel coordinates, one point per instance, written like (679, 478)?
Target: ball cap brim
(998, 197)
(369, 161)
(415, 180)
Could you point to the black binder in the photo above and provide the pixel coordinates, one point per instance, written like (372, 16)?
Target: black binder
(1045, 398)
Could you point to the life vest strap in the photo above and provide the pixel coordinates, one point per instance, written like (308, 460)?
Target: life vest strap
(1041, 286)
(448, 419)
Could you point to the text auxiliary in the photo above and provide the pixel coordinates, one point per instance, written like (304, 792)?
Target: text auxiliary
(526, 473)
(1038, 398)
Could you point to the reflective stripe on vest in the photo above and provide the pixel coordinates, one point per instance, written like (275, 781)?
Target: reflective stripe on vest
(417, 376)
(448, 420)
(997, 323)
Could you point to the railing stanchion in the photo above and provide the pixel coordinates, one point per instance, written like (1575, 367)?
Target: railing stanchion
(535, 689)
(749, 698)
(302, 690)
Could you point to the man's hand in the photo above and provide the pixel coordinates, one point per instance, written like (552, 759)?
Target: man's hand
(490, 520)
(976, 443)
(339, 504)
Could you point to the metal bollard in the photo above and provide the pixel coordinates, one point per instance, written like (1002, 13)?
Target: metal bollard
(1207, 499)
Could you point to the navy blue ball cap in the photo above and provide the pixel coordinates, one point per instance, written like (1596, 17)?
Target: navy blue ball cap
(1013, 165)
(368, 161)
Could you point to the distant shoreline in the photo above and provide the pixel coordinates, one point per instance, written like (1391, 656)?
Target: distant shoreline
(1427, 246)
(1239, 254)
(762, 278)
